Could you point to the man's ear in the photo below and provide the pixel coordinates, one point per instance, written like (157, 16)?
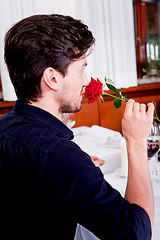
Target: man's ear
(51, 78)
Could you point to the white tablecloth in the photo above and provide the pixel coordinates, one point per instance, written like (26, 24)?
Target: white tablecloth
(86, 139)
(112, 155)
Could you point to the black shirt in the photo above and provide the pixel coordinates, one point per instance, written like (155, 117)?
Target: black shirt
(48, 184)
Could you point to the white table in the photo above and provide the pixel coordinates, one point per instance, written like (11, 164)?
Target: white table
(90, 145)
(112, 156)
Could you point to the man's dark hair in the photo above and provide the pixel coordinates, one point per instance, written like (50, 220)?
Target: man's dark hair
(42, 41)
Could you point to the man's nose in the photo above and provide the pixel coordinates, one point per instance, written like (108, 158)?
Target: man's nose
(85, 80)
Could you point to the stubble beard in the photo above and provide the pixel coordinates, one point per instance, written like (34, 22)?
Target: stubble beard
(69, 108)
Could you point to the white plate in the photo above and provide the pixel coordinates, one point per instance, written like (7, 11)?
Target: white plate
(118, 171)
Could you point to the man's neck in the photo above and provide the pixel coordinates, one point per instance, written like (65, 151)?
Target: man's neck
(47, 106)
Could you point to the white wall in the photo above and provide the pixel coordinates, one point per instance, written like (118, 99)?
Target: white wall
(66, 7)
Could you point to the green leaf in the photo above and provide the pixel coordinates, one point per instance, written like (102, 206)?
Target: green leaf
(117, 103)
(112, 88)
(110, 85)
(109, 81)
(120, 91)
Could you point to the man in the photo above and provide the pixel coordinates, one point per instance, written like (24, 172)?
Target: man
(48, 184)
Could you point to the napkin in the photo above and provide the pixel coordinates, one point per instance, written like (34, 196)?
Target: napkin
(105, 136)
(82, 130)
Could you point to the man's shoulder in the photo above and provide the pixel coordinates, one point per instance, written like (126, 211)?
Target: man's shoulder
(35, 134)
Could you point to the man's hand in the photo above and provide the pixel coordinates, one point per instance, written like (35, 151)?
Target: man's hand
(136, 122)
(97, 161)
(136, 126)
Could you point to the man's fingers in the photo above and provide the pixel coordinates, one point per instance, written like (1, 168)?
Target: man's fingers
(136, 107)
(143, 108)
(97, 161)
(129, 107)
(150, 110)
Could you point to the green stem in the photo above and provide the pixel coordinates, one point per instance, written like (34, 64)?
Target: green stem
(104, 93)
(123, 99)
(156, 116)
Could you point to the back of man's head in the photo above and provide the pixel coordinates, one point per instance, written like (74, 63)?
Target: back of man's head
(42, 41)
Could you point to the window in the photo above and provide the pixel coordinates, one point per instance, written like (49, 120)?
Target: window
(147, 33)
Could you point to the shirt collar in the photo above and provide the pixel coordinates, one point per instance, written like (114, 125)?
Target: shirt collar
(38, 114)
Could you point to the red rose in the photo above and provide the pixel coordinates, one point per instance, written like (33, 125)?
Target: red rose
(93, 90)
